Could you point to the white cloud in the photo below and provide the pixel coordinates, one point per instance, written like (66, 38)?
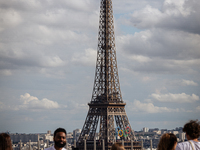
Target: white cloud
(138, 106)
(4, 107)
(189, 83)
(31, 102)
(1, 106)
(165, 44)
(179, 14)
(44, 34)
(146, 78)
(54, 61)
(16, 60)
(26, 98)
(161, 51)
(145, 17)
(139, 58)
(198, 109)
(5, 72)
(177, 98)
(87, 58)
(181, 82)
(9, 18)
(77, 107)
(176, 8)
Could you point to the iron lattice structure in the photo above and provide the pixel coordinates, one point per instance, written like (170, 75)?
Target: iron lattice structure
(106, 104)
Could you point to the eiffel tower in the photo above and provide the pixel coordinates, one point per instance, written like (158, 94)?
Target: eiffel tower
(106, 104)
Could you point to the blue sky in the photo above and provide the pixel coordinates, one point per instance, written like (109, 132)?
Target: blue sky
(48, 55)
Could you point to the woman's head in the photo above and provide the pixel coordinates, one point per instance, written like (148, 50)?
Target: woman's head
(5, 142)
(117, 146)
(168, 141)
(192, 129)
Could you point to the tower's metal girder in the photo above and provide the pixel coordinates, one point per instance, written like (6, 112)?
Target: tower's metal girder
(106, 104)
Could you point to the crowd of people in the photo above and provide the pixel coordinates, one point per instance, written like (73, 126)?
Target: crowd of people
(168, 141)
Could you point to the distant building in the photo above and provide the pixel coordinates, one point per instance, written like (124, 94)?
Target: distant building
(24, 137)
(182, 136)
(49, 132)
(163, 131)
(48, 137)
(158, 132)
(70, 138)
(145, 129)
(76, 134)
(154, 130)
(180, 129)
(175, 132)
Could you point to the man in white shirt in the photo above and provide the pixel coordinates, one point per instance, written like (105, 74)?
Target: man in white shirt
(59, 138)
(192, 130)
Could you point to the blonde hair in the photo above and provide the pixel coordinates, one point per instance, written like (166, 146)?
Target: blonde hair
(167, 142)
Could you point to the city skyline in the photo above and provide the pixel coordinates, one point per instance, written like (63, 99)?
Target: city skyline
(71, 132)
(48, 52)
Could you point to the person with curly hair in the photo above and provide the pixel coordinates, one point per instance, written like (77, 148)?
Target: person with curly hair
(168, 141)
(5, 142)
(192, 130)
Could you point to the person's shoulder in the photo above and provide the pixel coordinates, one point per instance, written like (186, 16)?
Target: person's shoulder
(182, 145)
(178, 147)
(50, 148)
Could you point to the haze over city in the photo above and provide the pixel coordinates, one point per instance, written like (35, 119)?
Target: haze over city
(48, 56)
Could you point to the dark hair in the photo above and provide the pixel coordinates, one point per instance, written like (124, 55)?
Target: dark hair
(167, 141)
(59, 130)
(117, 146)
(192, 128)
(5, 142)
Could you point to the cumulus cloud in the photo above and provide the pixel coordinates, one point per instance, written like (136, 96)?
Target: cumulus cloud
(189, 82)
(180, 15)
(138, 106)
(87, 58)
(168, 45)
(182, 82)
(169, 41)
(37, 35)
(176, 8)
(31, 102)
(15, 60)
(177, 98)
(161, 51)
